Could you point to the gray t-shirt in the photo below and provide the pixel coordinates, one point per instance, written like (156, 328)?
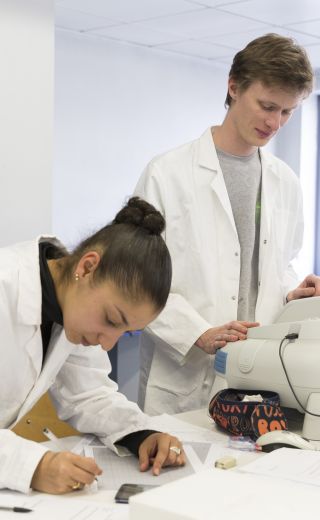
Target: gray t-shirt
(242, 176)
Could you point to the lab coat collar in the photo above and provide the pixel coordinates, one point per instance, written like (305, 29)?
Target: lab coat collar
(270, 186)
(268, 163)
(208, 159)
(207, 152)
(29, 283)
(208, 156)
(58, 351)
(270, 180)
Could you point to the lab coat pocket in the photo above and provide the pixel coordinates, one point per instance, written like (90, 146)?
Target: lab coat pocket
(283, 234)
(177, 378)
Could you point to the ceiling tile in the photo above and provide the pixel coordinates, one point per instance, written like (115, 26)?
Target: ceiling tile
(137, 33)
(275, 11)
(311, 27)
(175, 25)
(314, 55)
(200, 24)
(226, 61)
(238, 40)
(302, 39)
(210, 3)
(129, 10)
(198, 49)
(78, 21)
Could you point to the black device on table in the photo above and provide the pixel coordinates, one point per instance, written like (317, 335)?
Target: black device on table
(126, 491)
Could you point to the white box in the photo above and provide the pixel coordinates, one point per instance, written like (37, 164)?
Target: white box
(214, 492)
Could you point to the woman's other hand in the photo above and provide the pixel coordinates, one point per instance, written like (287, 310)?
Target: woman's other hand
(160, 450)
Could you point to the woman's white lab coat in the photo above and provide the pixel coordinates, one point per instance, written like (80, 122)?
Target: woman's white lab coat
(187, 185)
(76, 375)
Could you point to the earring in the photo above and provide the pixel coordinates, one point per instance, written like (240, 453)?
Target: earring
(77, 277)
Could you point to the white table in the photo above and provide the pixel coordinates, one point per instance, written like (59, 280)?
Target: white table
(198, 418)
(229, 494)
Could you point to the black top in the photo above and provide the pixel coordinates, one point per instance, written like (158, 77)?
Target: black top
(51, 313)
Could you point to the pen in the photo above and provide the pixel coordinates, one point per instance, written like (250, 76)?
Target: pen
(15, 509)
(51, 436)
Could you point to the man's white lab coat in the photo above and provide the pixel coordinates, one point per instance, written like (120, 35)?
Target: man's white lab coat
(188, 187)
(76, 376)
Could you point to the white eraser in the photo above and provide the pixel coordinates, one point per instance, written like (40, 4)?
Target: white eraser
(225, 463)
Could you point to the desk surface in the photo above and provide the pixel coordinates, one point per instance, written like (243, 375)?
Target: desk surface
(199, 418)
(195, 417)
(230, 493)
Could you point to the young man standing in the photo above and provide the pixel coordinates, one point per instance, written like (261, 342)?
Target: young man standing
(234, 225)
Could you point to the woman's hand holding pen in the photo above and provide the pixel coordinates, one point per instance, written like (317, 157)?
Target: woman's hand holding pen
(64, 471)
(160, 450)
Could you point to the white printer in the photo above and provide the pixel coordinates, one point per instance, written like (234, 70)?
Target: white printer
(283, 357)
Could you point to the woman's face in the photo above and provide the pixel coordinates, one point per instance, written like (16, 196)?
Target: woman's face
(100, 314)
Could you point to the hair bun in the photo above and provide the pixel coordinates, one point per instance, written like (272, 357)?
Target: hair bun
(140, 213)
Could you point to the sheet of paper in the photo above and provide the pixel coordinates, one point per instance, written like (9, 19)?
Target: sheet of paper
(203, 455)
(215, 452)
(217, 495)
(196, 453)
(217, 441)
(74, 443)
(185, 431)
(120, 470)
(291, 464)
(53, 508)
(201, 450)
(86, 440)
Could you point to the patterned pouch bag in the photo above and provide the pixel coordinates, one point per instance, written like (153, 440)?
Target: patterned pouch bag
(248, 418)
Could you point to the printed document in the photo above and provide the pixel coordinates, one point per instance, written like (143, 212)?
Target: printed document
(290, 464)
(62, 508)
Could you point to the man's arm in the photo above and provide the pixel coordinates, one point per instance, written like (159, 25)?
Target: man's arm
(309, 287)
(179, 324)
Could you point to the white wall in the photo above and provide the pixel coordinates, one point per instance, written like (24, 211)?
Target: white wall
(296, 144)
(117, 106)
(288, 142)
(308, 179)
(26, 108)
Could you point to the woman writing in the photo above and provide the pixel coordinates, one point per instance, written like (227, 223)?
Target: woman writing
(58, 313)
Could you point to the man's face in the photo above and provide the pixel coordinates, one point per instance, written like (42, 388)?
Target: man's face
(258, 112)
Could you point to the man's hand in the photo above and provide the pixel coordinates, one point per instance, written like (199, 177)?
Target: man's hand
(61, 472)
(160, 450)
(217, 337)
(309, 287)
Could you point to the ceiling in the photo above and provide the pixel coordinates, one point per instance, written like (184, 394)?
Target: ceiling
(207, 29)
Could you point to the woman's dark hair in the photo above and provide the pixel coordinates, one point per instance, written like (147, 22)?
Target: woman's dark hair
(132, 254)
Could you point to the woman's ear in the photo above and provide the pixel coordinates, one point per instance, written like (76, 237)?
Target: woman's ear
(88, 263)
(232, 88)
